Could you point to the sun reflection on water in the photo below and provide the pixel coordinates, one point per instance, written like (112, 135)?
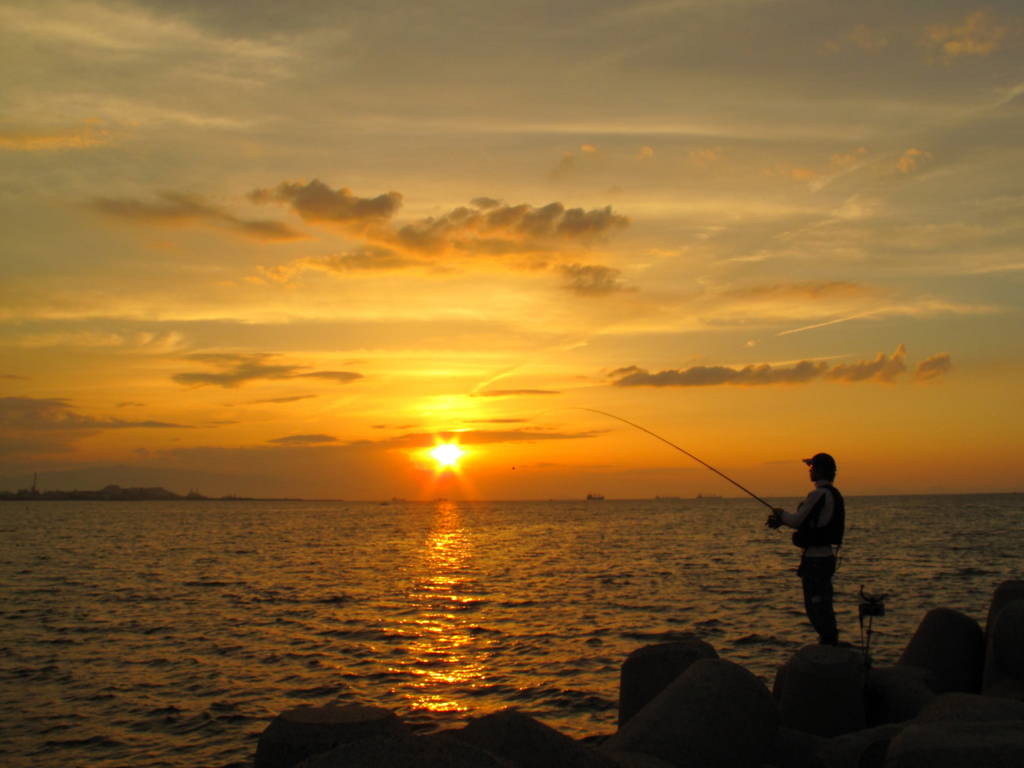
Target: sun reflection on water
(444, 654)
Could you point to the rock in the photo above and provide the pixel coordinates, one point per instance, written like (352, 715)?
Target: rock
(958, 745)
(897, 694)
(970, 708)
(794, 749)
(1006, 642)
(297, 734)
(861, 749)
(950, 644)
(822, 691)
(1005, 593)
(528, 743)
(648, 671)
(436, 751)
(715, 715)
(638, 760)
(1007, 688)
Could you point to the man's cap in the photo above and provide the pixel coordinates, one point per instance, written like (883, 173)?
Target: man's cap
(821, 461)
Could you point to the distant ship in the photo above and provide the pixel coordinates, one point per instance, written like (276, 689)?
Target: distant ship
(595, 497)
(668, 498)
(707, 496)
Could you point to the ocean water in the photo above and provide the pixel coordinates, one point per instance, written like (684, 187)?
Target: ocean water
(169, 633)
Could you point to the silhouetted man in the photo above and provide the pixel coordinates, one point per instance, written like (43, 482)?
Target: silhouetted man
(820, 521)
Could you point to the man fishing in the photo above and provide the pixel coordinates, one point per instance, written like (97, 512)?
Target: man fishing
(820, 521)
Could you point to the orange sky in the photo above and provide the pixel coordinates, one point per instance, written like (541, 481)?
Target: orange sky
(270, 249)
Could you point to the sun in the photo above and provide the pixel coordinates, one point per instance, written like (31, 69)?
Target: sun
(447, 454)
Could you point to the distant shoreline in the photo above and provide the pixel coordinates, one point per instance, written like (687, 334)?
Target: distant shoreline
(117, 493)
(160, 494)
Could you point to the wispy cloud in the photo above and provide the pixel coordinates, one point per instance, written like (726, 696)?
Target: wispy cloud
(591, 280)
(303, 440)
(177, 208)
(88, 136)
(236, 370)
(486, 226)
(316, 202)
(933, 367)
(882, 369)
(515, 392)
(977, 35)
(46, 414)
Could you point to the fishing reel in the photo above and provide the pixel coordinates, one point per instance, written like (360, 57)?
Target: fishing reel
(774, 520)
(869, 605)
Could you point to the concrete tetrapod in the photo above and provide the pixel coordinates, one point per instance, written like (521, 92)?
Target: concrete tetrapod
(1005, 593)
(1006, 643)
(897, 694)
(958, 745)
(971, 708)
(299, 733)
(649, 670)
(433, 751)
(715, 715)
(529, 743)
(822, 691)
(951, 645)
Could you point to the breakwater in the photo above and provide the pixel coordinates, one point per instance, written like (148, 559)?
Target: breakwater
(954, 699)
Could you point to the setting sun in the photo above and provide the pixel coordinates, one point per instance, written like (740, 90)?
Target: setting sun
(447, 454)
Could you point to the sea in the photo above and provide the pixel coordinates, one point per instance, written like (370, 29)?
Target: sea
(170, 633)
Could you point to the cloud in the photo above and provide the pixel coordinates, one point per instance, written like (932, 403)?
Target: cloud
(812, 290)
(495, 421)
(882, 369)
(276, 400)
(239, 369)
(485, 227)
(515, 392)
(869, 39)
(591, 280)
(933, 367)
(30, 414)
(704, 157)
(176, 208)
(908, 162)
(502, 228)
(303, 440)
(483, 437)
(370, 260)
(88, 136)
(976, 36)
(316, 202)
(14, 376)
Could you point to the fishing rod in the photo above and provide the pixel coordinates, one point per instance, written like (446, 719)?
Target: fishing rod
(659, 437)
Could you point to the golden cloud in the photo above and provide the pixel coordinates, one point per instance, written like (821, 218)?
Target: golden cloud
(236, 370)
(882, 369)
(316, 202)
(179, 208)
(88, 136)
(976, 36)
(908, 162)
(933, 367)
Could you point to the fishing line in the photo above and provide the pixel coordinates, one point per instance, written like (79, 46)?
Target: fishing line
(659, 437)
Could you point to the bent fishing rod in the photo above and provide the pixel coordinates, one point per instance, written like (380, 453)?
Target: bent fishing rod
(659, 437)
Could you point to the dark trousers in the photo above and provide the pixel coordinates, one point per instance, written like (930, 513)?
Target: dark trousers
(816, 575)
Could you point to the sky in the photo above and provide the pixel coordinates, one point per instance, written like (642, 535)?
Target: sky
(285, 249)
